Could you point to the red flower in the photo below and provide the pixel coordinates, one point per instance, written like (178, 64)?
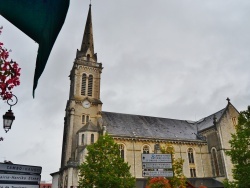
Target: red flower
(9, 73)
(158, 182)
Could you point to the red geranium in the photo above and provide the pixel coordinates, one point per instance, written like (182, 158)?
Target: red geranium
(158, 182)
(9, 73)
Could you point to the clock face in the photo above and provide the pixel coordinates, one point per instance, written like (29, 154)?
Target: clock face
(86, 104)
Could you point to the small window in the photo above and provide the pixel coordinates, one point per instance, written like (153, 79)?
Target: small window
(145, 149)
(92, 138)
(83, 118)
(121, 148)
(83, 89)
(90, 85)
(82, 139)
(190, 156)
(192, 172)
(88, 57)
(234, 120)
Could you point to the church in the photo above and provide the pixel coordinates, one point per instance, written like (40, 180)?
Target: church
(202, 144)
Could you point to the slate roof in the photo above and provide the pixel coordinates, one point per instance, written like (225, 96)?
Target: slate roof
(89, 127)
(128, 125)
(208, 121)
(148, 127)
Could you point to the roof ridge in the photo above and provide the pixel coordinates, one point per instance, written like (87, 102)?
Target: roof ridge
(202, 119)
(188, 121)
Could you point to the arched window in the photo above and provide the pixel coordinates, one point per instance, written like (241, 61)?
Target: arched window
(66, 182)
(90, 85)
(92, 139)
(215, 162)
(88, 57)
(121, 148)
(145, 149)
(192, 172)
(190, 156)
(83, 90)
(82, 139)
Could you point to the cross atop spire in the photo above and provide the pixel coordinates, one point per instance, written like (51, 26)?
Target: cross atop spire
(228, 100)
(87, 41)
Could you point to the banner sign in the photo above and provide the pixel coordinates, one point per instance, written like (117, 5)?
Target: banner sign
(20, 177)
(20, 168)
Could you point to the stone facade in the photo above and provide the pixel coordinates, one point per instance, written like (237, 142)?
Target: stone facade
(202, 144)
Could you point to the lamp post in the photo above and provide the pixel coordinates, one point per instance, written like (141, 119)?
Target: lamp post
(9, 117)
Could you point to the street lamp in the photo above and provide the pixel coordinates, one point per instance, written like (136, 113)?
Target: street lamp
(9, 117)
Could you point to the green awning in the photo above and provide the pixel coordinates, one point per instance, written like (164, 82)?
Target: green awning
(41, 20)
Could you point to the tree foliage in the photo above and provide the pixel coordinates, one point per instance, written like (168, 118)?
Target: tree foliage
(179, 180)
(104, 167)
(240, 151)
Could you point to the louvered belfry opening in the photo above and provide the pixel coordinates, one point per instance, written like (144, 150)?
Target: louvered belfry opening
(83, 90)
(90, 85)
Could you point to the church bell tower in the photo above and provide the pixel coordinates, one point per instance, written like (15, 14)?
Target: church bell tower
(82, 122)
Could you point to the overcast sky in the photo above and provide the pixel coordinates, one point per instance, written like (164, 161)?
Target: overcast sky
(167, 58)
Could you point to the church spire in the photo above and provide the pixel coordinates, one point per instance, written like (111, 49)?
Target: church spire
(87, 41)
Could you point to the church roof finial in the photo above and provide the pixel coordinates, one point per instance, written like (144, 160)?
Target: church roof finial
(228, 100)
(87, 41)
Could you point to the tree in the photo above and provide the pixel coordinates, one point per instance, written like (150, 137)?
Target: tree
(240, 151)
(104, 167)
(179, 180)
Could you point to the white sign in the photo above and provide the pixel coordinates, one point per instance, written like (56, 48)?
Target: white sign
(156, 165)
(157, 173)
(18, 186)
(156, 158)
(20, 177)
(20, 168)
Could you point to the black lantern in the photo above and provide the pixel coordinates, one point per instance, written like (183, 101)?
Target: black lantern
(8, 119)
